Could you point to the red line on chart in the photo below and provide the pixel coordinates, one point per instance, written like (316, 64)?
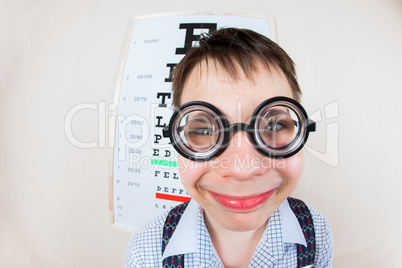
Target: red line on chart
(172, 197)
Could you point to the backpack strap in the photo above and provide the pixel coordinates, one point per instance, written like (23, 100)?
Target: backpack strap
(171, 222)
(305, 255)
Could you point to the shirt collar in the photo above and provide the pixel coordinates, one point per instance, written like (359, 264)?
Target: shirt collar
(291, 230)
(187, 230)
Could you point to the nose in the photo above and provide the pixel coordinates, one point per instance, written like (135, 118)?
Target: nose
(241, 160)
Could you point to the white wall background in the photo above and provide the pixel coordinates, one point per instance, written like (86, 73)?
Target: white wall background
(54, 209)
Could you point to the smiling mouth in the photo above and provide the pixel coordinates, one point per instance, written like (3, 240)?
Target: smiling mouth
(242, 203)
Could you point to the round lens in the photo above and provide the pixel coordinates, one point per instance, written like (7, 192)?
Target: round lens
(198, 131)
(280, 127)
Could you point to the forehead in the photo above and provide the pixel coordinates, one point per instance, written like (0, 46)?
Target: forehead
(211, 83)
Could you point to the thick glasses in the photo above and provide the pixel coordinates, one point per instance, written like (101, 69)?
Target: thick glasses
(278, 128)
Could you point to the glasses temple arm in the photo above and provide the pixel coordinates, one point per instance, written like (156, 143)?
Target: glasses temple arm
(165, 132)
(311, 127)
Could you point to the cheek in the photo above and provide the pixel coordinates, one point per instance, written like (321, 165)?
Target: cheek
(291, 168)
(190, 172)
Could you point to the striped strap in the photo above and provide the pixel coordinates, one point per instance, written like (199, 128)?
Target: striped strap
(305, 255)
(171, 222)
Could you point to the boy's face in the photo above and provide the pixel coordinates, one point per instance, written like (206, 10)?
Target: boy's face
(240, 188)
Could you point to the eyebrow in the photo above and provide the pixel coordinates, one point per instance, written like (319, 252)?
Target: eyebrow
(201, 122)
(276, 111)
(197, 118)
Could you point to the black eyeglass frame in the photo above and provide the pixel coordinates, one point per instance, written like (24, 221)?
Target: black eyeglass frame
(307, 126)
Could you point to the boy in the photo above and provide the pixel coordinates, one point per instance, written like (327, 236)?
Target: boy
(239, 131)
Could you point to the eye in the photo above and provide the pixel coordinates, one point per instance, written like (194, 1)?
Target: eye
(276, 129)
(199, 134)
(201, 131)
(279, 123)
(274, 126)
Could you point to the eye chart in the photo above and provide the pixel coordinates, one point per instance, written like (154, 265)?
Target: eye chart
(146, 180)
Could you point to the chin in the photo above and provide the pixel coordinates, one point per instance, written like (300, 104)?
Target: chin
(243, 221)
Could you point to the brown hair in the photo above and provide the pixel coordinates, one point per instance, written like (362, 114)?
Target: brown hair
(229, 46)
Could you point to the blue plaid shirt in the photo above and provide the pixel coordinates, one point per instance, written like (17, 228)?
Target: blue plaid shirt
(277, 247)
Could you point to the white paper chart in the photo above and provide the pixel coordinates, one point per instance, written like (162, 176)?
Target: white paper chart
(145, 177)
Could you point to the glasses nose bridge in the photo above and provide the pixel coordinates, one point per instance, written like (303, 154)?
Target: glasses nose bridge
(232, 129)
(242, 143)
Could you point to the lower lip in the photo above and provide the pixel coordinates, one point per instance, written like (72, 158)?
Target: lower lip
(242, 204)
